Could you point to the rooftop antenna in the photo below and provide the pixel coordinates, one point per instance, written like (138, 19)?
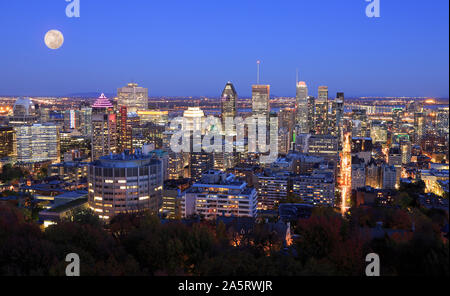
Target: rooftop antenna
(296, 77)
(258, 63)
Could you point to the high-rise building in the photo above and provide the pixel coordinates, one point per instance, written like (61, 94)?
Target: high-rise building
(389, 176)
(37, 142)
(261, 101)
(442, 123)
(321, 112)
(301, 118)
(104, 128)
(323, 145)
(86, 121)
(226, 160)
(125, 183)
(24, 112)
(219, 194)
(272, 188)
(134, 97)
(7, 140)
(360, 123)
(337, 116)
(126, 122)
(311, 113)
(379, 132)
(419, 127)
(316, 188)
(229, 100)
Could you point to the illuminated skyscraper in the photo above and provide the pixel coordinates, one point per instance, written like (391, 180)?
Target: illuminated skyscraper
(229, 104)
(419, 127)
(311, 113)
(7, 139)
(337, 116)
(261, 101)
(302, 108)
(104, 128)
(133, 97)
(24, 112)
(321, 112)
(37, 142)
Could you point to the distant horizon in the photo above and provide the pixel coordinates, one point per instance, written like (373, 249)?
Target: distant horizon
(178, 48)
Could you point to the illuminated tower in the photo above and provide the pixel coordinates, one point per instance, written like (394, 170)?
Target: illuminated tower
(302, 108)
(104, 128)
(261, 101)
(226, 160)
(321, 115)
(133, 97)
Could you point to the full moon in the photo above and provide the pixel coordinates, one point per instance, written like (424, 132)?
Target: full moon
(54, 39)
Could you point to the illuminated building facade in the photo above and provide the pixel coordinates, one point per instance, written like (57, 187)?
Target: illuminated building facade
(317, 188)
(7, 140)
(104, 129)
(261, 101)
(37, 142)
(321, 112)
(219, 194)
(125, 183)
(134, 97)
(301, 117)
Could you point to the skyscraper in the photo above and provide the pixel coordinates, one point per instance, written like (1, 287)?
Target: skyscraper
(261, 101)
(229, 104)
(311, 113)
(133, 97)
(321, 114)
(337, 115)
(37, 142)
(302, 108)
(419, 127)
(104, 128)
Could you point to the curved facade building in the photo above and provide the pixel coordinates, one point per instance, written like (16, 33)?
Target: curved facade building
(125, 183)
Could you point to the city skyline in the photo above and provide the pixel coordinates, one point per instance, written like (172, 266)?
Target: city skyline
(184, 53)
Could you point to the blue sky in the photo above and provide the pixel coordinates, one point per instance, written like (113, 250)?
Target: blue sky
(192, 48)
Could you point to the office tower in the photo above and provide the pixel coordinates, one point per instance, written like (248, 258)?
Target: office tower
(284, 141)
(229, 104)
(397, 118)
(302, 108)
(194, 119)
(272, 188)
(360, 123)
(379, 132)
(104, 128)
(323, 145)
(405, 148)
(226, 160)
(442, 123)
(358, 173)
(125, 183)
(311, 113)
(200, 163)
(126, 122)
(37, 142)
(24, 112)
(395, 159)
(7, 140)
(134, 97)
(86, 121)
(71, 119)
(337, 116)
(219, 194)
(321, 112)
(172, 196)
(261, 101)
(176, 160)
(419, 127)
(316, 188)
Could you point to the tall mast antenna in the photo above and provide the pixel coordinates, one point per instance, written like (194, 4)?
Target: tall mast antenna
(296, 77)
(258, 63)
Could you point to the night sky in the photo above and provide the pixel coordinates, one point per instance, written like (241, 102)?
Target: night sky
(192, 48)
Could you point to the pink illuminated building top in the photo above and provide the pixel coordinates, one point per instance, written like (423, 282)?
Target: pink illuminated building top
(102, 102)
